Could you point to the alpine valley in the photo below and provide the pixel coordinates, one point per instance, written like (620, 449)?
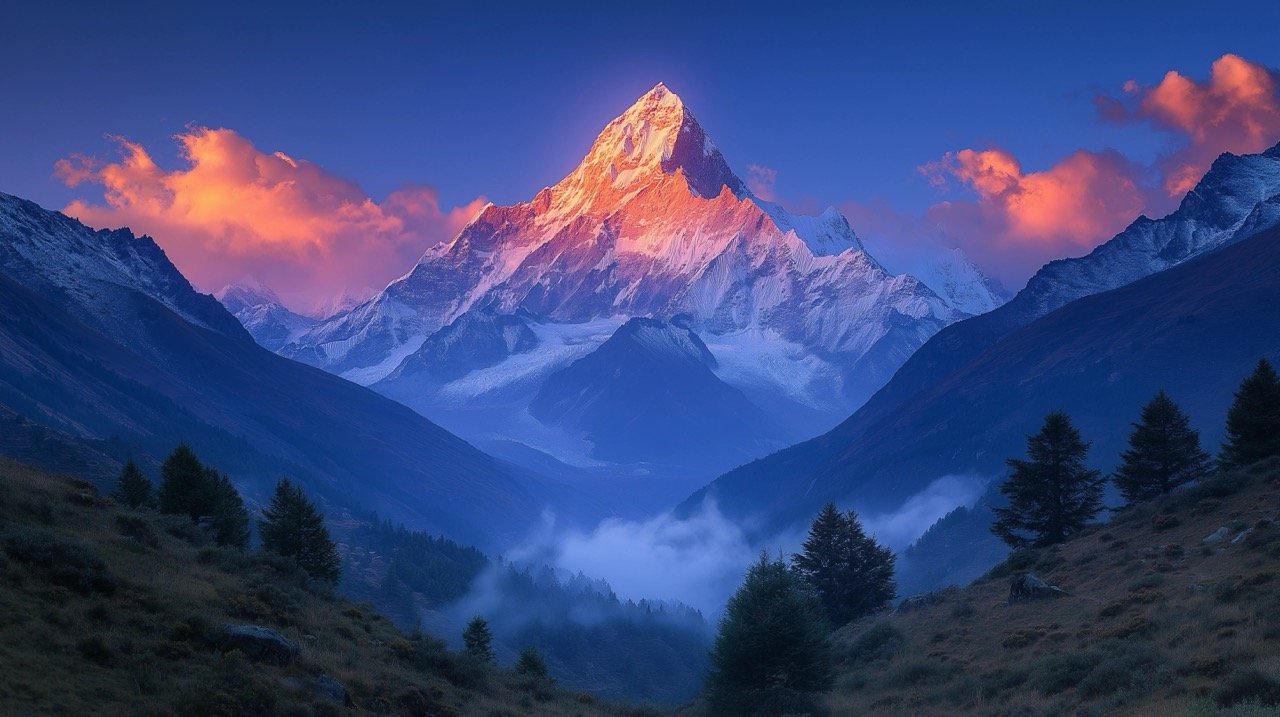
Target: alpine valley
(511, 333)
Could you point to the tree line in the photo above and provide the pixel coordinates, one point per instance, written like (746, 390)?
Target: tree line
(1053, 494)
(772, 653)
(290, 526)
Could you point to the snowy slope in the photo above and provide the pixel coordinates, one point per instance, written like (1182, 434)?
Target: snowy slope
(653, 223)
(263, 314)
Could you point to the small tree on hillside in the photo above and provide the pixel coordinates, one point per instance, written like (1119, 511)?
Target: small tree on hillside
(850, 571)
(1164, 452)
(182, 483)
(772, 654)
(291, 526)
(133, 489)
(1253, 421)
(1053, 494)
(477, 640)
(226, 512)
(531, 664)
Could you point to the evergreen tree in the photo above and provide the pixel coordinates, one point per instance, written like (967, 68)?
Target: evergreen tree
(1253, 421)
(133, 489)
(1053, 494)
(477, 640)
(531, 664)
(850, 571)
(772, 654)
(182, 483)
(1164, 452)
(225, 510)
(292, 527)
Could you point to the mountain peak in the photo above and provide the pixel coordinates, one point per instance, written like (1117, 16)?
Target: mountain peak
(656, 136)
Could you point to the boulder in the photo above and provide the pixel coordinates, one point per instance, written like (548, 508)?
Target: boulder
(1028, 587)
(328, 688)
(259, 643)
(1216, 535)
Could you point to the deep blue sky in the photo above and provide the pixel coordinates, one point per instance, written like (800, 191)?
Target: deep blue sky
(844, 100)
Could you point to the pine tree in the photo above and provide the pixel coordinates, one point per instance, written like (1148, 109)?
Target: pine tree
(772, 653)
(477, 640)
(851, 573)
(133, 489)
(182, 483)
(1164, 453)
(1054, 494)
(225, 509)
(531, 665)
(1253, 421)
(292, 527)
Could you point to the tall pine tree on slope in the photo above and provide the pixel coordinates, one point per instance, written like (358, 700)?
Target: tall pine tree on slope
(133, 488)
(772, 654)
(1053, 494)
(1253, 421)
(850, 571)
(291, 526)
(1164, 452)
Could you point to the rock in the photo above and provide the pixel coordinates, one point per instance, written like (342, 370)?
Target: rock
(328, 688)
(915, 602)
(259, 643)
(1215, 536)
(1029, 586)
(1240, 537)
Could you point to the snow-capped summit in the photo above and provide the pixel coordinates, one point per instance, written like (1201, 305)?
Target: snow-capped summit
(262, 313)
(652, 223)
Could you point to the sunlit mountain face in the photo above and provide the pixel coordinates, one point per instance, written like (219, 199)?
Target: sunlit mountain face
(799, 321)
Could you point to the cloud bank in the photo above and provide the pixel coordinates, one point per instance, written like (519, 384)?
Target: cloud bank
(1011, 219)
(235, 210)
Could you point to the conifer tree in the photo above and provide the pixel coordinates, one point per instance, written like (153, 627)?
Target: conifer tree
(530, 664)
(772, 653)
(477, 640)
(1053, 494)
(292, 527)
(1253, 421)
(133, 489)
(1164, 452)
(182, 483)
(226, 511)
(851, 573)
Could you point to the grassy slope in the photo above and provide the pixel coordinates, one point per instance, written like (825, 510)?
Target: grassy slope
(111, 624)
(1156, 622)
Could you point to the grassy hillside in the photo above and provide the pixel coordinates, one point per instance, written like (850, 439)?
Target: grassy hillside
(1155, 621)
(109, 611)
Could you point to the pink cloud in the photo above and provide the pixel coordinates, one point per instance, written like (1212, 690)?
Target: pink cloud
(1020, 219)
(1236, 110)
(760, 180)
(235, 210)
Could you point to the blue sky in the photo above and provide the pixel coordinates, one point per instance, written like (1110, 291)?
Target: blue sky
(844, 100)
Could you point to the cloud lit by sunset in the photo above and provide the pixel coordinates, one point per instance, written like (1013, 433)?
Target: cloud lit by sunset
(236, 211)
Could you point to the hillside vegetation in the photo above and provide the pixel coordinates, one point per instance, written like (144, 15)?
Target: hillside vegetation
(108, 610)
(1171, 608)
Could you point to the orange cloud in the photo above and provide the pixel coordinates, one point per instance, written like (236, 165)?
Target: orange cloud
(235, 211)
(1020, 219)
(1236, 110)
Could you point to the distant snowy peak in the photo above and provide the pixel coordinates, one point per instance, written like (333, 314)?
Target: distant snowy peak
(263, 314)
(653, 223)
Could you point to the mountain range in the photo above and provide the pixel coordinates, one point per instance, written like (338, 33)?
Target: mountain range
(105, 345)
(795, 314)
(1180, 303)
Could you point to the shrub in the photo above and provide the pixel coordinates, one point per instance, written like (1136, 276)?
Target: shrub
(1150, 580)
(1248, 685)
(878, 642)
(1057, 672)
(71, 566)
(95, 649)
(131, 526)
